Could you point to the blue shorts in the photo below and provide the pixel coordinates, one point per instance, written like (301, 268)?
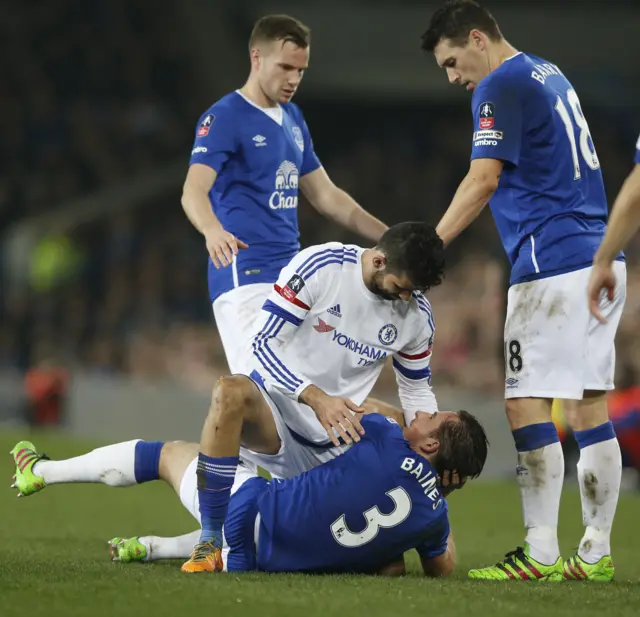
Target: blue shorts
(239, 526)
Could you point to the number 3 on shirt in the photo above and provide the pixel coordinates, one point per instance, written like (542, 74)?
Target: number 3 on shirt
(375, 520)
(590, 157)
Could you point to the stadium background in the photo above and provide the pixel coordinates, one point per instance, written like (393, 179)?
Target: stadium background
(105, 317)
(105, 324)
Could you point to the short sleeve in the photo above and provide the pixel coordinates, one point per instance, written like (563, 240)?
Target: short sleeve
(380, 428)
(637, 157)
(436, 545)
(497, 121)
(215, 139)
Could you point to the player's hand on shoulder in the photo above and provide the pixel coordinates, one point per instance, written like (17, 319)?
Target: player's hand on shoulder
(602, 279)
(222, 246)
(336, 414)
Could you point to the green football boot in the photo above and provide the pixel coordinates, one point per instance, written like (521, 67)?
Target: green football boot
(25, 457)
(127, 550)
(518, 565)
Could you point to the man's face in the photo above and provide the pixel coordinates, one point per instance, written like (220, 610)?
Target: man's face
(280, 67)
(426, 424)
(391, 286)
(465, 65)
(423, 430)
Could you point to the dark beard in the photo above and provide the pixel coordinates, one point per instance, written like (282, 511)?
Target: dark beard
(385, 295)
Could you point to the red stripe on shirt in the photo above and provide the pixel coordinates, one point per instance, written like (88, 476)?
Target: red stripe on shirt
(418, 356)
(290, 296)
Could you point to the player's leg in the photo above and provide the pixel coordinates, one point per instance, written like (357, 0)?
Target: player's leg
(238, 414)
(178, 465)
(235, 313)
(121, 464)
(540, 475)
(600, 463)
(177, 460)
(545, 342)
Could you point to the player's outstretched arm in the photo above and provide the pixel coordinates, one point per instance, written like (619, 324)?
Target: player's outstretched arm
(623, 224)
(336, 204)
(335, 413)
(472, 196)
(221, 244)
(624, 221)
(412, 367)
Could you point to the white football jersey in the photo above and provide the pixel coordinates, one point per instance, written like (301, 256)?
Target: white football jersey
(321, 325)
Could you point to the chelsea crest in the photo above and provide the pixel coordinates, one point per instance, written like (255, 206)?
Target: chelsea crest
(388, 334)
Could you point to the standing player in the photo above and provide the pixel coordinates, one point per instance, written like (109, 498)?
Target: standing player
(252, 154)
(624, 223)
(335, 314)
(359, 513)
(533, 159)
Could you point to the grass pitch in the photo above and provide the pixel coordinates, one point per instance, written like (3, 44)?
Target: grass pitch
(54, 560)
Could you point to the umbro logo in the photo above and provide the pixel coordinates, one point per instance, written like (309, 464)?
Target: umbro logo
(260, 140)
(323, 326)
(335, 310)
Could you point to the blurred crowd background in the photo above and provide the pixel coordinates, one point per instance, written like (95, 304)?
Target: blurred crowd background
(112, 93)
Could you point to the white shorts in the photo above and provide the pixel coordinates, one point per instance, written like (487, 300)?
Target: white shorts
(189, 496)
(235, 312)
(554, 347)
(299, 450)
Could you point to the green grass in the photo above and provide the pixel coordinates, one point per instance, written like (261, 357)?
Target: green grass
(54, 562)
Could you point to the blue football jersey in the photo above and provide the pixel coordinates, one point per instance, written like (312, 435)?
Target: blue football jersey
(356, 513)
(259, 156)
(550, 207)
(637, 157)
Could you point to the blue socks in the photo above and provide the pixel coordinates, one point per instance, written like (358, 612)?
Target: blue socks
(595, 435)
(535, 436)
(147, 460)
(215, 479)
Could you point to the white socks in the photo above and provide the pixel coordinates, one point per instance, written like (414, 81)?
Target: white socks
(540, 476)
(178, 547)
(599, 474)
(113, 465)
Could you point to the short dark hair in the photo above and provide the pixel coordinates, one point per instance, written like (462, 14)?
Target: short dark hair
(455, 20)
(414, 249)
(280, 28)
(463, 446)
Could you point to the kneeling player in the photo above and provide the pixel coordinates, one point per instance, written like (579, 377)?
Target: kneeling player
(336, 314)
(358, 513)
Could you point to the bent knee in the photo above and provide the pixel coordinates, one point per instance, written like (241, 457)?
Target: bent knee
(234, 394)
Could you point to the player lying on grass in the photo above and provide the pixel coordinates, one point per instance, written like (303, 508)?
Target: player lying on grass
(357, 513)
(335, 315)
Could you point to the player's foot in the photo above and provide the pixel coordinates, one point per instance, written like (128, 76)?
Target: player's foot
(206, 557)
(518, 565)
(25, 457)
(576, 569)
(127, 550)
